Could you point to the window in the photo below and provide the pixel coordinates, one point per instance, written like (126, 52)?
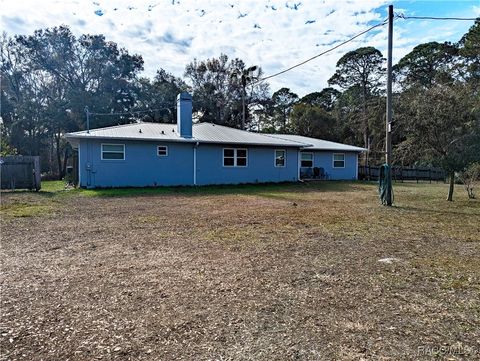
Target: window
(338, 160)
(241, 157)
(113, 151)
(280, 158)
(162, 150)
(233, 157)
(306, 160)
(228, 157)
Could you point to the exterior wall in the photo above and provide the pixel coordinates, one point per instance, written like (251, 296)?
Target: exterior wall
(260, 167)
(141, 167)
(324, 159)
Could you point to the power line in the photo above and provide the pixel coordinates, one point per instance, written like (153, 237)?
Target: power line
(401, 16)
(132, 112)
(322, 53)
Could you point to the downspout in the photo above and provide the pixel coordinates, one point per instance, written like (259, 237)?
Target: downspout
(298, 164)
(79, 166)
(88, 166)
(195, 163)
(356, 167)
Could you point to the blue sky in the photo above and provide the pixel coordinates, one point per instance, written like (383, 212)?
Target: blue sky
(270, 33)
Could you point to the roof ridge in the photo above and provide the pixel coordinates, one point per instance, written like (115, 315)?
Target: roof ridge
(323, 140)
(290, 140)
(258, 133)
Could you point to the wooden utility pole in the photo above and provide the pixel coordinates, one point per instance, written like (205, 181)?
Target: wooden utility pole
(388, 135)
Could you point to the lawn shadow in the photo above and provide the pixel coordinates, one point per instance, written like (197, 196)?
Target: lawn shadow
(271, 190)
(40, 193)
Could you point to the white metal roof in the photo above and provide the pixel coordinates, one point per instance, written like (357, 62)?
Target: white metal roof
(214, 133)
(202, 132)
(319, 144)
(207, 133)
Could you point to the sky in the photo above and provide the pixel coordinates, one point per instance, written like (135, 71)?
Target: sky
(275, 35)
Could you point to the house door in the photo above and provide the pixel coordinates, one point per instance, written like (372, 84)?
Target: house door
(306, 165)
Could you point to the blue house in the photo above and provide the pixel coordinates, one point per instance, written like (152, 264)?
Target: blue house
(154, 154)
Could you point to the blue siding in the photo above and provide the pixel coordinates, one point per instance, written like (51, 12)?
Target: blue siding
(260, 167)
(326, 159)
(141, 167)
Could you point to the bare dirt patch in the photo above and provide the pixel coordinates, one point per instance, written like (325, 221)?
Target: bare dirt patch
(264, 274)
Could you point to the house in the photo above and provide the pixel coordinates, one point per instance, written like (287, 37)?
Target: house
(153, 154)
(336, 160)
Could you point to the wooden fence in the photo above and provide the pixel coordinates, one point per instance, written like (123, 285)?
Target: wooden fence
(20, 172)
(403, 173)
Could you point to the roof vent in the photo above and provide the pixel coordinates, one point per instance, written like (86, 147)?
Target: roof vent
(163, 132)
(139, 130)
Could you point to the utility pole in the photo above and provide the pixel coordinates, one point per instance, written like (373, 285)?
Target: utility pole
(88, 119)
(244, 85)
(388, 135)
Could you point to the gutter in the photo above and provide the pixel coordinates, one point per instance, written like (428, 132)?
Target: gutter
(190, 140)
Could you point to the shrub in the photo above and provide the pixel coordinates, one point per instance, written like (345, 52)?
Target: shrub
(470, 177)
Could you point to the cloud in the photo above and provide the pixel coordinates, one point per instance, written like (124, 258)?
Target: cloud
(274, 34)
(169, 38)
(12, 23)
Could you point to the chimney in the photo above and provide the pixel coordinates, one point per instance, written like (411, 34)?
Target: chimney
(184, 115)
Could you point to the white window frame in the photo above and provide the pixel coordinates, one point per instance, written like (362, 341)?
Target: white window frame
(101, 151)
(166, 150)
(333, 160)
(284, 158)
(235, 157)
(313, 159)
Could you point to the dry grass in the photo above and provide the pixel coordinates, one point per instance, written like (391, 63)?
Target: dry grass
(243, 273)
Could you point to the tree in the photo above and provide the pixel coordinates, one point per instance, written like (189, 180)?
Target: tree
(442, 126)
(470, 177)
(93, 71)
(312, 121)
(51, 76)
(244, 77)
(469, 50)
(361, 71)
(426, 64)
(217, 95)
(160, 96)
(23, 93)
(283, 101)
(5, 147)
(326, 98)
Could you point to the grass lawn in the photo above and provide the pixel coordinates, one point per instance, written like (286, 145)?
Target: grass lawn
(316, 271)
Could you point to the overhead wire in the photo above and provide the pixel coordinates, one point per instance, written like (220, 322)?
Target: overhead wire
(132, 112)
(322, 53)
(402, 16)
(384, 22)
(397, 16)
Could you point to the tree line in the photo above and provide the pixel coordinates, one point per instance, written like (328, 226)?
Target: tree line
(49, 77)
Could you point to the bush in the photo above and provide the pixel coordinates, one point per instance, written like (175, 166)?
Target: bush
(470, 177)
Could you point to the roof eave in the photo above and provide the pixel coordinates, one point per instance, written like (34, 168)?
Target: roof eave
(98, 137)
(337, 150)
(180, 140)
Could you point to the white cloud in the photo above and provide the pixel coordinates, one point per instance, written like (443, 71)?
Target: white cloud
(171, 33)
